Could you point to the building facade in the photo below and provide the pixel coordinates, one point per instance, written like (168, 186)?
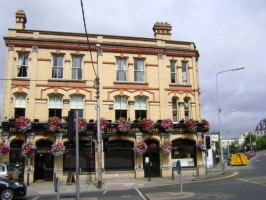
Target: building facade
(261, 128)
(50, 73)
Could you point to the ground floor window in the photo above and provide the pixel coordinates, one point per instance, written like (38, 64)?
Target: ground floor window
(86, 156)
(185, 151)
(120, 155)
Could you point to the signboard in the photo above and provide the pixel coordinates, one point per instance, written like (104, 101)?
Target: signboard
(215, 138)
(254, 143)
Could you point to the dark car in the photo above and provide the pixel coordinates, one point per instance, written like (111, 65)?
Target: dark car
(11, 189)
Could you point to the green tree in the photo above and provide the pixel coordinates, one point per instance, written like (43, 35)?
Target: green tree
(247, 140)
(232, 148)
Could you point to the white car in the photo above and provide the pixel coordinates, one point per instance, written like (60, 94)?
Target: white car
(9, 171)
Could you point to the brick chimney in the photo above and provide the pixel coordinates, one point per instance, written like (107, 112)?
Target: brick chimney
(21, 19)
(162, 30)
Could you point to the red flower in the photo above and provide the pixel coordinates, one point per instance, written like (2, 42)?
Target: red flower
(53, 124)
(103, 124)
(147, 125)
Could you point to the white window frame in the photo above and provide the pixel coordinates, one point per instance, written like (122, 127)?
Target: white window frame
(77, 67)
(139, 74)
(23, 62)
(184, 72)
(187, 108)
(121, 68)
(175, 100)
(20, 101)
(58, 66)
(173, 71)
(55, 102)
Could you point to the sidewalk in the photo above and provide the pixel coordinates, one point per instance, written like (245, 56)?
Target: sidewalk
(44, 188)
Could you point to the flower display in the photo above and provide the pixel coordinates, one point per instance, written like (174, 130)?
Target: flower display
(206, 125)
(166, 148)
(147, 125)
(82, 124)
(191, 126)
(200, 145)
(58, 149)
(103, 124)
(4, 148)
(167, 124)
(23, 124)
(53, 124)
(28, 149)
(123, 125)
(140, 147)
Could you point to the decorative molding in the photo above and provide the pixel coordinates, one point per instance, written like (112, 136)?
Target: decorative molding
(11, 47)
(34, 48)
(44, 59)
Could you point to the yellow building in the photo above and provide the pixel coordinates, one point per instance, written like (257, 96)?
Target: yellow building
(49, 73)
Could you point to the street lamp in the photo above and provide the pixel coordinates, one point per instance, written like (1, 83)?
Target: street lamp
(99, 139)
(219, 113)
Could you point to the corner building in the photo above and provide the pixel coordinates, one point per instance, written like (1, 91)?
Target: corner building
(49, 73)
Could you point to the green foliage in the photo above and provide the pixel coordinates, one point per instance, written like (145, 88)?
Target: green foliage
(232, 148)
(261, 142)
(247, 140)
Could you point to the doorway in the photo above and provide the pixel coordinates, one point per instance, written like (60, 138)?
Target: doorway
(44, 161)
(151, 159)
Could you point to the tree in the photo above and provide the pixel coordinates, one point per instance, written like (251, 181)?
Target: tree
(232, 148)
(247, 140)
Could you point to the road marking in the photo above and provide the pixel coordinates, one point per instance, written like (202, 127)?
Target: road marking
(35, 198)
(140, 194)
(256, 180)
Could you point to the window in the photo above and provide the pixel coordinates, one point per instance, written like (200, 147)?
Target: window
(76, 67)
(187, 109)
(184, 73)
(120, 107)
(173, 71)
(20, 105)
(121, 69)
(120, 155)
(139, 70)
(140, 107)
(77, 104)
(22, 65)
(57, 66)
(55, 106)
(175, 109)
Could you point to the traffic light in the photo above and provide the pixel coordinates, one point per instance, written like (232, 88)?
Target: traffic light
(70, 125)
(207, 141)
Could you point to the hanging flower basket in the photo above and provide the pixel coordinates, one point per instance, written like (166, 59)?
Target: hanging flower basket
(4, 148)
(123, 125)
(191, 126)
(167, 125)
(57, 149)
(23, 124)
(140, 147)
(28, 149)
(166, 148)
(206, 125)
(82, 124)
(53, 125)
(103, 125)
(147, 125)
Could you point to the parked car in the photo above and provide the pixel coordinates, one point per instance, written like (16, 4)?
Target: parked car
(253, 153)
(10, 189)
(248, 154)
(9, 171)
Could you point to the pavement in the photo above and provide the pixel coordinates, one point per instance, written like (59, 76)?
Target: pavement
(124, 183)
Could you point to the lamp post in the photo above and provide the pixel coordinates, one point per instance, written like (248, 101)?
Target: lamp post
(219, 115)
(99, 139)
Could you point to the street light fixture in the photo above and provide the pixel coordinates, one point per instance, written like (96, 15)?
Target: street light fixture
(219, 113)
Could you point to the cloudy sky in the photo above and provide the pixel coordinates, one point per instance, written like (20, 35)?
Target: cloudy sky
(228, 34)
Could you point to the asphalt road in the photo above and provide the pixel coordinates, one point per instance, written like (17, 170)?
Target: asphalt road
(248, 184)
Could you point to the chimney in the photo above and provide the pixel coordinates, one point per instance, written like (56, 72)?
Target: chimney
(21, 19)
(162, 30)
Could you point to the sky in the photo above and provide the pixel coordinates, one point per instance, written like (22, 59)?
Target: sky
(228, 34)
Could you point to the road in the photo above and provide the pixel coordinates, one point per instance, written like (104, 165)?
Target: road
(248, 184)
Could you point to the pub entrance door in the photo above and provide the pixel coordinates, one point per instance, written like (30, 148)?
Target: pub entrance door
(151, 159)
(44, 161)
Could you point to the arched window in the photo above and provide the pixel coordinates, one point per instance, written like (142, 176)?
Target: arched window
(20, 105)
(187, 108)
(120, 107)
(77, 104)
(120, 155)
(55, 105)
(140, 107)
(175, 109)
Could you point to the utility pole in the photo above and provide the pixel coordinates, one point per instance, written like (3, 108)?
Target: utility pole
(99, 139)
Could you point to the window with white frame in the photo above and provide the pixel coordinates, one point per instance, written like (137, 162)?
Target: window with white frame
(175, 109)
(22, 67)
(20, 105)
(55, 105)
(140, 108)
(120, 107)
(173, 71)
(139, 70)
(77, 104)
(121, 69)
(57, 66)
(187, 108)
(76, 67)
(184, 73)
